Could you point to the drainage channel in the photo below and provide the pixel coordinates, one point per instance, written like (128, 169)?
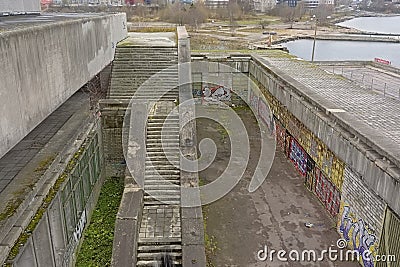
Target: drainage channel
(160, 229)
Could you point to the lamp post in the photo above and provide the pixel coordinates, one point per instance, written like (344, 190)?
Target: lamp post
(315, 37)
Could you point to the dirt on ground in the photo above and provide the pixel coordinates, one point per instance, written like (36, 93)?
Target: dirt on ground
(241, 224)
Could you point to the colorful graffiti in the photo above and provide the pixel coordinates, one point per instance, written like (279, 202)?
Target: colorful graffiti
(280, 135)
(298, 156)
(358, 236)
(327, 192)
(219, 93)
(216, 93)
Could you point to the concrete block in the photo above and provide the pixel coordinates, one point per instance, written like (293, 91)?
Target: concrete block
(192, 213)
(125, 243)
(27, 256)
(24, 219)
(42, 242)
(11, 237)
(192, 232)
(131, 204)
(193, 256)
(4, 250)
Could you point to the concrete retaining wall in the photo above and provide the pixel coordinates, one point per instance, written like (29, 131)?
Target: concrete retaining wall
(24, 6)
(58, 231)
(43, 66)
(379, 177)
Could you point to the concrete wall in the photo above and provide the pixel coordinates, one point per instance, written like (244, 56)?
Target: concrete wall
(59, 230)
(377, 175)
(361, 214)
(369, 185)
(25, 6)
(43, 66)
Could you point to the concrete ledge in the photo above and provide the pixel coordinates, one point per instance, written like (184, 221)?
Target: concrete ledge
(38, 62)
(193, 251)
(127, 225)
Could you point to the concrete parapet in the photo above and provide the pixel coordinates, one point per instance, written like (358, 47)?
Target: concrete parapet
(43, 66)
(193, 251)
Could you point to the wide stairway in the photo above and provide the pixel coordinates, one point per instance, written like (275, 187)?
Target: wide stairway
(134, 65)
(151, 74)
(160, 229)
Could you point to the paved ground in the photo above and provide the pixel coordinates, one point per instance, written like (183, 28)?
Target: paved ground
(242, 223)
(369, 77)
(20, 155)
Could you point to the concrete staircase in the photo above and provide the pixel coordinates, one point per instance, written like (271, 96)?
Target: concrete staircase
(160, 229)
(133, 65)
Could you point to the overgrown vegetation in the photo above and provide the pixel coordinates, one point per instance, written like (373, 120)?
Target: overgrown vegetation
(96, 249)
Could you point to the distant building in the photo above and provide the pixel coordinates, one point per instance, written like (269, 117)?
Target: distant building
(88, 2)
(8, 7)
(291, 3)
(307, 3)
(216, 3)
(264, 5)
(311, 3)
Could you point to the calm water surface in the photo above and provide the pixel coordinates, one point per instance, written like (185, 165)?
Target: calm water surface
(374, 24)
(327, 50)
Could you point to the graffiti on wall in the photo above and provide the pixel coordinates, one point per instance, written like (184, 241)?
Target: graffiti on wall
(253, 100)
(265, 113)
(217, 93)
(358, 236)
(212, 93)
(327, 192)
(280, 135)
(298, 156)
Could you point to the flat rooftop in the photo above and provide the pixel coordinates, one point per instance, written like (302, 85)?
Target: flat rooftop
(9, 23)
(369, 112)
(156, 39)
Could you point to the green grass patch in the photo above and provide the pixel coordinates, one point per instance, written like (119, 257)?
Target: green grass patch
(96, 248)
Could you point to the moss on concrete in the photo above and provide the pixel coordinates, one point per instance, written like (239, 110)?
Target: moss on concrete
(23, 238)
(13, 204)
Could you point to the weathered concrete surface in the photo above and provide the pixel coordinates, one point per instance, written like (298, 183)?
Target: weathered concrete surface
(33, 187)
(127, 224)
(193, 252)
(161, 39)
(43, 66)
(24, 6)
(360, 127)
(242, 223)
(130, 210)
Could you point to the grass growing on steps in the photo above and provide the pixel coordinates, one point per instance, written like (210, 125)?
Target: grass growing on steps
(96, 249)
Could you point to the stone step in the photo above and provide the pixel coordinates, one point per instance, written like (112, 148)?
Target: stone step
(162, 182)
(161, 172)
(162, 187)
(157, 255)
(171, 248)
(163, 149)
(161, 161)
(164, 193)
